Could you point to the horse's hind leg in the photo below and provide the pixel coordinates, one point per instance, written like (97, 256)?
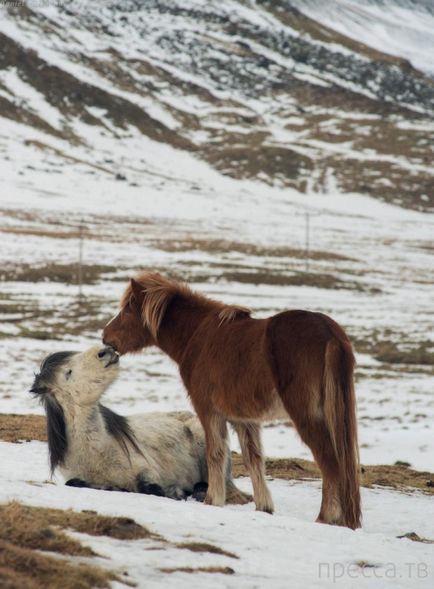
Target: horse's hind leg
(314, 433)
(216, 434)
(249, 435)
(321, 446)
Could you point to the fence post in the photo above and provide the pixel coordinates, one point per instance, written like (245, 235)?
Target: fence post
(80, 263)
(307, 241)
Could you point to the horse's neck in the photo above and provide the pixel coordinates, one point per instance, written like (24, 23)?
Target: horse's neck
(83, 420)
(180, 322)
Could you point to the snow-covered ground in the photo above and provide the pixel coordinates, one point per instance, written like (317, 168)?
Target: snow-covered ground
(286, 549)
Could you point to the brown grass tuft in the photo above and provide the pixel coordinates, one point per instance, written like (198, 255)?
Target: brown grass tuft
(222, 246)
(53, 272)
(31, 527)
(416, 538)
(205, 547)
(211, 569)
(397, 477)
(26, 531)
(37, 527)
(22, 568)
(18, 428)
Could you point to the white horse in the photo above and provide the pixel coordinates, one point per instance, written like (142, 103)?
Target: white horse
(153, 453)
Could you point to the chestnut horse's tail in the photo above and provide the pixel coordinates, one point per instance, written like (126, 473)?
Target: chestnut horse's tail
(340, 417)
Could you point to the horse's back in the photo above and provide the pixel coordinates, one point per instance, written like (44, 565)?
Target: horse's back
(173, 442)
(300, 327)
(296, 346)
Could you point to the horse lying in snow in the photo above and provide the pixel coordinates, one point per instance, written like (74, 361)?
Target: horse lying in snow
(154, 453)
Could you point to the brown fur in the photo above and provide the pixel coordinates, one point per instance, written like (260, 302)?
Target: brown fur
(241, 370)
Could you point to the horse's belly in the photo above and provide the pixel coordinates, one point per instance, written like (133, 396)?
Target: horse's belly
(258, 408)
(275, 410)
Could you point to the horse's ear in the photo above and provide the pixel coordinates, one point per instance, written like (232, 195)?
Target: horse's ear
(137, 290)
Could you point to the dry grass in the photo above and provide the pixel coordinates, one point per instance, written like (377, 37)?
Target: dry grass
(45, 323)
(27, 527)
(222, 246)
(205, 547)
(416, 538)
(391, 354)
(54, 234)
(32, 527)
(18, 428)
(53, 272)
(210, 569)
(22, 568)
(318, 280)
(395, 348)
(396, 476)
(26, 531)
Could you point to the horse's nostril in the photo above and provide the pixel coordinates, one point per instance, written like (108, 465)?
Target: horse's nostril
(102, 353)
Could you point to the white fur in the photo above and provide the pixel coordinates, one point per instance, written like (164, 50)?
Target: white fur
(172, 444)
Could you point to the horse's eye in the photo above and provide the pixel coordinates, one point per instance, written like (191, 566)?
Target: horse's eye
(68, 373)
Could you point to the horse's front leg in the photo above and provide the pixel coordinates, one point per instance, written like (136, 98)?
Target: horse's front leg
(216, 433)
(249, 435)
(80, 483)
(76, 482)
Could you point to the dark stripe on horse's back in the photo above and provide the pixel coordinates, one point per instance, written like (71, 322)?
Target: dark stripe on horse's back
(119, 428)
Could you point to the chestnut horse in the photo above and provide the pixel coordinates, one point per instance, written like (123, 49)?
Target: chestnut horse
(245, 370)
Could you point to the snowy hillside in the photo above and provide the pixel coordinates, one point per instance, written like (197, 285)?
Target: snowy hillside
(403, 28)
(257, 89)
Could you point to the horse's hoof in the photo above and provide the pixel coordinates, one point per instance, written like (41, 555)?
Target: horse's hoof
(149, 488)
(216, 503)
(76, 483)
(199, 491)
(266, 508)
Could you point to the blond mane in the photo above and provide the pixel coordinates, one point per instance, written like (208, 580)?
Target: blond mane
(159, 291)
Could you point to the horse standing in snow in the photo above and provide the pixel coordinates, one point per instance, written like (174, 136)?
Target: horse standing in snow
(245, 370)
(154, 453)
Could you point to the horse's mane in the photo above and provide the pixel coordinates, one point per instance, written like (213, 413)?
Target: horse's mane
(116, 425)
(56, 427)
(159, 292)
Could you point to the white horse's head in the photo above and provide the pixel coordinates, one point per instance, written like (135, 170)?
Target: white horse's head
(77, 378)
